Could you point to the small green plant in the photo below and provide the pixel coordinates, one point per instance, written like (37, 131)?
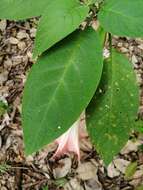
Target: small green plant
(130, 170)
(60, 182)
(70, 74)
(139, 187)
(45, 188)
(3, 108)
(4, 167)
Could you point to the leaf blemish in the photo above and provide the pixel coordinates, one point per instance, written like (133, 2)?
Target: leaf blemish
(127, 76)
(106, 106)
(116, 84)
(100, 108)
(59, 127)
(108, 136)
(100, 90)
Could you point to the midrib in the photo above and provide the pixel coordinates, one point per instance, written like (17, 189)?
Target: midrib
(60, 82)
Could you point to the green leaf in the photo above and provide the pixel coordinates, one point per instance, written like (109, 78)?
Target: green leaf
(102, 34)
(59, 19)
(130, 170)
(139, 126)
(60, 85)
(90, 2)
(139, 187)
(21, 9)
(140, 148)
(61, 182)
(112, 112)
(3, 108)
(45, 188)
(4, 168)
(123, 17)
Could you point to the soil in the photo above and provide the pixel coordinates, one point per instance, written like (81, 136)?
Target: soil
(39, 171)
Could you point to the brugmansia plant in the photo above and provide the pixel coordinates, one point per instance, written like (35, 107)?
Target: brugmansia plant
(71, 75)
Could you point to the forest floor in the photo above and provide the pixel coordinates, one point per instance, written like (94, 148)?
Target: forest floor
(38, 171)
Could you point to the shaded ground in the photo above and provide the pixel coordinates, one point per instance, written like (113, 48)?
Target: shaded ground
(37, 171)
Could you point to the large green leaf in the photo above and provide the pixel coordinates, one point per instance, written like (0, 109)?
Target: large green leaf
(60, 18)
(123, 17)
(112, 112)
(21, 9)
(60, 85)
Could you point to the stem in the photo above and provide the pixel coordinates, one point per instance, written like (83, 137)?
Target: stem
(110, 45)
